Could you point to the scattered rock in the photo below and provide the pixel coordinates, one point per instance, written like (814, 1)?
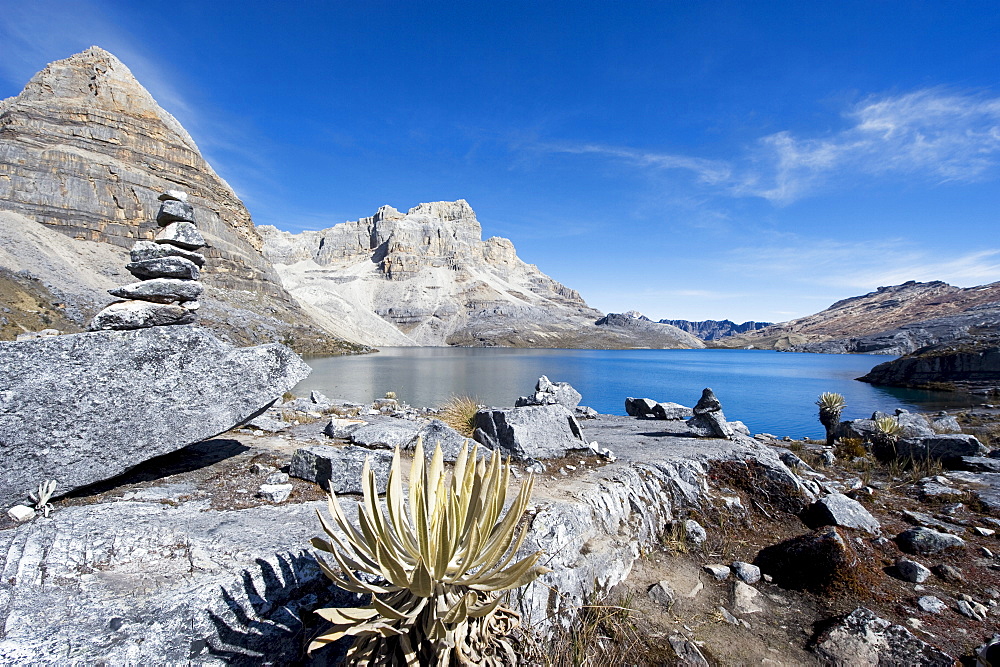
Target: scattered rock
(745, 598)
(821, 562)
(948, 573)
(277, 478)
(717, 570)
(792, 461)
(584, 412)
(973, 610)
(931, 604)
(639, 407)
(728, 617)
(695, 532)
(21, 513)
(385, 433)
(342, 428)
(533, 432)
(746, 572)
(276, 493)
(671, 411)
(338, 469)
(147, 392)
(862, 638)
(912, 571)
(687, 652)
(921, 540)
(945, 446)
(927, 521)
(837, 509)
(663, 594)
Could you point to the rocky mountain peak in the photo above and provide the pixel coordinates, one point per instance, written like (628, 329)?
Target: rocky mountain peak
(85, 151)
(95, 80)
(428, 278)
(444, 210)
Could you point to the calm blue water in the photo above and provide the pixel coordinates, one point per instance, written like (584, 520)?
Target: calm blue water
(771, 392)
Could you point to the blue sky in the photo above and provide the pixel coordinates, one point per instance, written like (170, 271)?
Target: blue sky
(699, 160)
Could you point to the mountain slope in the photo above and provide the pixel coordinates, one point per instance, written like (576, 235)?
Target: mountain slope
(891, 320)
(84, 152)
(426, 277)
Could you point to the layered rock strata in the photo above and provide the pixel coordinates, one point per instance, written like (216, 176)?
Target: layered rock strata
(891, 320)
(426, 277)
(168, 268)
(973, 366)
(84, 152)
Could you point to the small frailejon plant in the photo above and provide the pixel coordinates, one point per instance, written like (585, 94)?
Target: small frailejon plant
(830, 407)
(440, 566)
(886, 435)
(459, 412)
(42, 496)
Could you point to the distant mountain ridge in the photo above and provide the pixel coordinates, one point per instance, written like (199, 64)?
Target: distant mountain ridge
(895, 320)
(715, 329)
(426, 277)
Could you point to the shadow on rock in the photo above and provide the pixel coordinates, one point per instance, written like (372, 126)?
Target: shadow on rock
(193, 457)
(270, 619)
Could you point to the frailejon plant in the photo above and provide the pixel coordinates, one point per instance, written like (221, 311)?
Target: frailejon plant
(437, 569)
(886, 435)
(830, 407)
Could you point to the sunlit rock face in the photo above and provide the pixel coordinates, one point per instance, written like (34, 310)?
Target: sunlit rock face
(85, 150)
(426, 277)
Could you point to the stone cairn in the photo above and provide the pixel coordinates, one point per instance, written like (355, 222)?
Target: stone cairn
(167, 268)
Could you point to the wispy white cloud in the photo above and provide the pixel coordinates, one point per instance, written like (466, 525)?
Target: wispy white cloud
(865, 265)
(934, 135)
(711, 172)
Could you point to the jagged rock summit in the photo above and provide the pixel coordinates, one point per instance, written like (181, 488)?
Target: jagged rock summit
(84, 152)
(426, 277)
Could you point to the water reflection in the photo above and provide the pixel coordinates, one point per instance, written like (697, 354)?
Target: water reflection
(769, 391)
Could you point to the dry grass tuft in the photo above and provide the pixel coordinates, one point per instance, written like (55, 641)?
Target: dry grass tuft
(459, 412)
(604, 633)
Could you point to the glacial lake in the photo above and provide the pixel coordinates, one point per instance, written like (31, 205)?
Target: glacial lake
(771, 392)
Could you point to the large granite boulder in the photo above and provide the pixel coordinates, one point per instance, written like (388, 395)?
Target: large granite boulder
(86, 407)
(947, 446)
(533, 432)
(911, 424)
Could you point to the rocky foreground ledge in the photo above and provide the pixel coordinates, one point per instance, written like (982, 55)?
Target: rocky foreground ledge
(727, 548)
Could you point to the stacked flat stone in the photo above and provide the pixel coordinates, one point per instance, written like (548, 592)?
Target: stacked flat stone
(167, 268)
